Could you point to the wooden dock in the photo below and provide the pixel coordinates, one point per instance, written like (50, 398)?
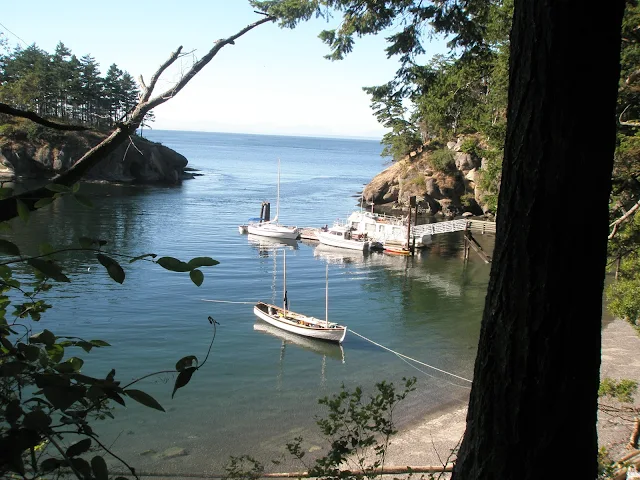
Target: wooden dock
(309, 233)
(460, 225)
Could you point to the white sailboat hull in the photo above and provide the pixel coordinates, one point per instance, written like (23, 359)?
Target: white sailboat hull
(337, 241)
(266, 229)
(299, 324)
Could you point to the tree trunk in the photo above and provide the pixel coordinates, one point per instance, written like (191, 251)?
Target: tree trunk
(534, 398)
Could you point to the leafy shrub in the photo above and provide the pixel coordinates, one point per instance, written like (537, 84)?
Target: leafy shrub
(623, 390)
(443, 160)
(358, 431)
(419, 181)
(623, 296)
(470, 145)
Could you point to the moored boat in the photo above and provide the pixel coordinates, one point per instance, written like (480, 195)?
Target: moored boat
(343, 237)
(271, 228)
(298, 323)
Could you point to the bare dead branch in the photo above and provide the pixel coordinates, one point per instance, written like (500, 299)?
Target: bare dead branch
(154, 79)
(619, 221)
(199, 65)
(34, 117)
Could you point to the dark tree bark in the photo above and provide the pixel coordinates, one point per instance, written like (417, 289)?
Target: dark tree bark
(9, 110)
(533, 403)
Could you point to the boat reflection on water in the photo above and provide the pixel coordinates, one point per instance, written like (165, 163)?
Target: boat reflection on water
(445, 284)
(266, 244)
(326, 349)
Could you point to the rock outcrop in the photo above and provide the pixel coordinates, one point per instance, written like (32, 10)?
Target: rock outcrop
(450, 191)
(139, 161)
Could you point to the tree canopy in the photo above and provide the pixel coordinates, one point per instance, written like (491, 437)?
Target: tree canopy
(61, 85)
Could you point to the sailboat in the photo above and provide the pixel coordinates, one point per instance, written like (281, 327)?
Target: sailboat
(298, 323)
(271, 228)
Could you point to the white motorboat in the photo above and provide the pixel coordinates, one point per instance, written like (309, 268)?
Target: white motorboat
(298, 323)
(342, 236)
(384, 228)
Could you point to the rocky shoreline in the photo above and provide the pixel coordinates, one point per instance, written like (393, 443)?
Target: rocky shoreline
(431, 440)
(137, 162)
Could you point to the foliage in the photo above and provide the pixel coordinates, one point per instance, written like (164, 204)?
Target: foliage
(624, 245)
(358, 432)
(48, 407)
(61, 85)
(623, 295)
(462, 92)
(623, 390)
(470, 146)
(419, 181)
(443, 160)
(606, 466)
(244, 467)
(490, 178)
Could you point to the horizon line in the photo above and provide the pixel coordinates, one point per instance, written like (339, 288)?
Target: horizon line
(343, 137)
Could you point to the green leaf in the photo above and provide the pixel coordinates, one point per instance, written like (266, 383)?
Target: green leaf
(5, 192)
(173, 264)
(197, 277)
(58, 188)
(12, 369)
(45, 249)
(13, 412)
(140, 257)
(186, 362)
(74, 364)
(36, 420)
(85, 242)
(43, 202)
(63, 397)
(75, 187)
(202, 262)
(79, 448)
(32, 352)
(23, 210)
(55, 353)
(48, 268)
(183, 378)
(86, 346)
(99, 343)
(83, 200)
(113, 268)
(9, 248)
(144, 398)
(82, 466)
(50, 464)
(5, 272)
(5, 227)
(99, 467)
(47, 337)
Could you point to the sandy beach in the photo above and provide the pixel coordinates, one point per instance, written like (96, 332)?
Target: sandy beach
(430, 441)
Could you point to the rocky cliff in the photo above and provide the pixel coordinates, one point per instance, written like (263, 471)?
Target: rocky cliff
(139, 161)
(444, 181)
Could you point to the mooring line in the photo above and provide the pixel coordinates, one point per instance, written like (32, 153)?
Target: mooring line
(409, 358)
(227, 301)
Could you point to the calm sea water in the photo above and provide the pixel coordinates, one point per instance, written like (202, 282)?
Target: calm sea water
(258, 389)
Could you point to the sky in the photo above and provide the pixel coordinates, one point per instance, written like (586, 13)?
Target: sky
(272, 81)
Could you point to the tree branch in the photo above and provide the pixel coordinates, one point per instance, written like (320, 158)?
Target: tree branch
(618, 222)
(9, 206)
(15, 112)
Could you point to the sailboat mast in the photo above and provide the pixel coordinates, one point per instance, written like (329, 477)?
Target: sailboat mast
(326, 299)
(275, 220)
(284, 282)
